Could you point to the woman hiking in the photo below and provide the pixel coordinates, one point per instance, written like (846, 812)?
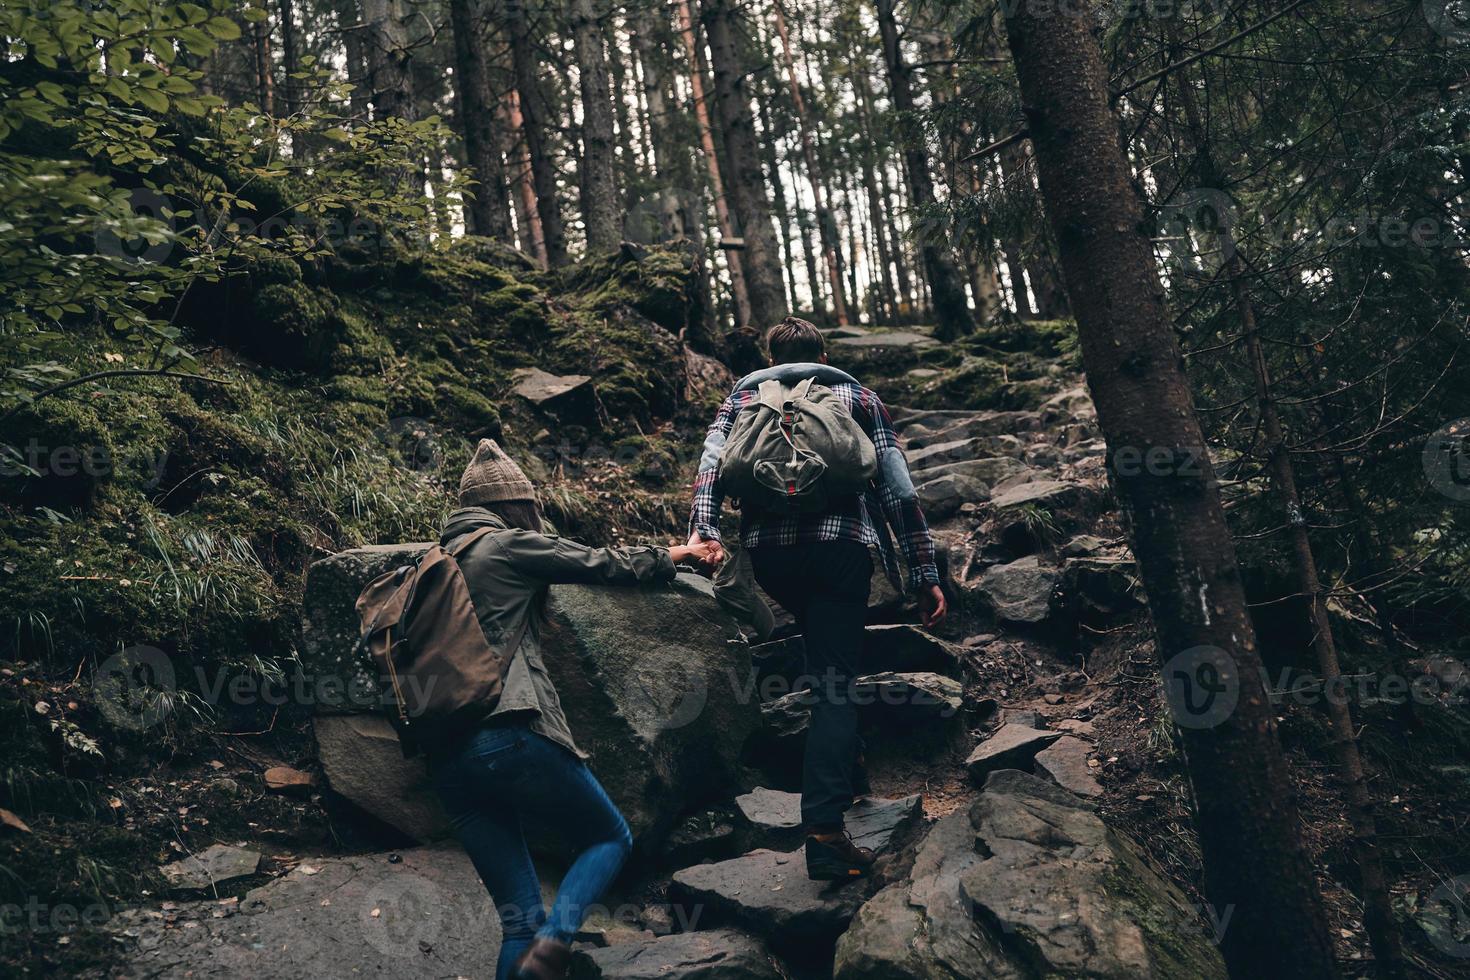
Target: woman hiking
(521, 764)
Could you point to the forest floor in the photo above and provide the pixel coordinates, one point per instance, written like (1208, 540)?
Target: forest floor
(1047, 617)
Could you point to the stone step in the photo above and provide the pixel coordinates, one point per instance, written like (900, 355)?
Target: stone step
(772, 819)
(768, 893)
(1026, 882)
(1011, 746)
(419, 914)
(718, 954)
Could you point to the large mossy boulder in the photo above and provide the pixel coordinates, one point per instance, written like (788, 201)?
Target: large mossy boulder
(655, 683)
(1028, 882)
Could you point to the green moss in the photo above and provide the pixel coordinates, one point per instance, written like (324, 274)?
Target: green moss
(60, 454)
(292, 325)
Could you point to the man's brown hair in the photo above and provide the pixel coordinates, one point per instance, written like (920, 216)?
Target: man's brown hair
(793, 340)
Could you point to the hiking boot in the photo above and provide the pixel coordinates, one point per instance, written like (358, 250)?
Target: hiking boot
(834, 857)
(544, 959)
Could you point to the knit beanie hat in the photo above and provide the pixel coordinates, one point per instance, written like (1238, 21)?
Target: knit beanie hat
(492, 477)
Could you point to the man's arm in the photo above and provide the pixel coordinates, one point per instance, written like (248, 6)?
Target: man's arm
(704, 517)
(898, 497)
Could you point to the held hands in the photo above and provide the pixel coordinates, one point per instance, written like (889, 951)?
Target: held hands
(705, 552)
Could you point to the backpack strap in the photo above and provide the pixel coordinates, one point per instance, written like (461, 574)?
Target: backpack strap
(459, 548)
(772, 395)
(468, 539)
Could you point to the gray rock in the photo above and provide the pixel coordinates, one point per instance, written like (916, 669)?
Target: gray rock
(774, 819)
(718, 954)
(888, 338)
(701, 837)
(908, 648)
(1076, 726)
(211, 867)
(1025, 717)
(769, 893)
(886, 698)
(1101, 584)
(921, 928)
(990, 470)
(653, 682)
(1069, 404)
(942, 496)
(424, 917)
(982, 424)
(1021, 591)
(1083, 544)
(1010, 747)
(910, 696)
(1027, 882)
(538, 387)
(954, 451)
(1041, 493)
(363, 762)
(1043, 456)
(1065, 761)
(1075, 898)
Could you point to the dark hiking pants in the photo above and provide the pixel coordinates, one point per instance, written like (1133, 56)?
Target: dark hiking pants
(825, 586)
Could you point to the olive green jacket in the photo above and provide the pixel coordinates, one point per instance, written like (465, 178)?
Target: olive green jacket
(506, 572)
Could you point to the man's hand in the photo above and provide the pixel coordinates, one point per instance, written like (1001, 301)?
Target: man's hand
(932, 604)
(712, 548)
(700, 551)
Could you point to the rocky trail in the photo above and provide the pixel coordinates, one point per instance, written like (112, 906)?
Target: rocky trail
(994, 803)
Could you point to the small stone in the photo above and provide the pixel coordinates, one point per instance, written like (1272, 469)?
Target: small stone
(284, 779)
(1010, 747)
(213, 866)
(1053, 699)
(1065, 761)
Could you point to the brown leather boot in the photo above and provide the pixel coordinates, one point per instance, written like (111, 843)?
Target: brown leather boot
(544, 959)
(832, 856)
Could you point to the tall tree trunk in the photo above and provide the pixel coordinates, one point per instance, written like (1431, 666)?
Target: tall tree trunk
(951, 308)
(746, 185)
(601, 213)
(676, 214)
(488, 206)
(878, 213)
(1256, 868)
(1378, 915)
(1032, 255)
(291, 63)
(534, 121)
(826, 225)
(358, 74)
(265, 86)
(528, 216)
(739, 291)
(778, 197)
(389, 55)
(890, 195)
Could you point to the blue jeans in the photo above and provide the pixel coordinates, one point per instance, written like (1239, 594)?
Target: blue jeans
(503, 775)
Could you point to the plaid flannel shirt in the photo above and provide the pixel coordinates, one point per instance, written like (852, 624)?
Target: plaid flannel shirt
(848, 518)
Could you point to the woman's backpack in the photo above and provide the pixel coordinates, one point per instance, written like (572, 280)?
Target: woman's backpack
(439, 674)
(794, 449)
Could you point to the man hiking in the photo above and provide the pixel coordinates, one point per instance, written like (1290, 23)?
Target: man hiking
(807, 523)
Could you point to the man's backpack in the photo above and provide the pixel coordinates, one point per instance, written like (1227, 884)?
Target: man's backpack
(438, 673)
(794, 449)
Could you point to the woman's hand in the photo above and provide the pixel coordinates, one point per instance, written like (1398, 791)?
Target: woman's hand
(705, 552)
